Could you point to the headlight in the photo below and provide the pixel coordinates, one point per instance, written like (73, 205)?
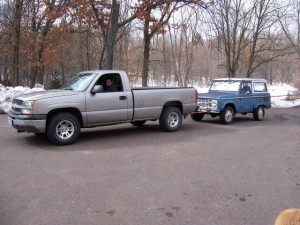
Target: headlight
(28, 104)
(214, 103)
(27, 107)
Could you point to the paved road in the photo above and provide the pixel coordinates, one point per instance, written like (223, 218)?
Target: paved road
(206, 173)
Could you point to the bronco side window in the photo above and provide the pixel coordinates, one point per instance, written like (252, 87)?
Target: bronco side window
(246, 87)
(260, 87)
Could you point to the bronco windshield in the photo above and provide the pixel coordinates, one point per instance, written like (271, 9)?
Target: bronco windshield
(80, 82)
(225, 85)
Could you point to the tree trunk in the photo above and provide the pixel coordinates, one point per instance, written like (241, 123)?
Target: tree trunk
(146, 61)
(111, 37)
(147, 39)
(87, 48)
(16, 40)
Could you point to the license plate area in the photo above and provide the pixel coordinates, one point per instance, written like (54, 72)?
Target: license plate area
(10, 121)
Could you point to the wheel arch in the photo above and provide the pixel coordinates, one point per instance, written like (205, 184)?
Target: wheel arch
(263, 105)
(232, 105)
(73, 111)
(177, 104)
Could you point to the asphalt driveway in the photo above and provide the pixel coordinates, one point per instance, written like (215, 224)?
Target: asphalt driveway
(206, 173)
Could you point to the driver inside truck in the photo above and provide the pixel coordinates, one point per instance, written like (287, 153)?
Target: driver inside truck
(109, 85)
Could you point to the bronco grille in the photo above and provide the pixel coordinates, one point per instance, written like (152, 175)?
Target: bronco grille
(204, 103)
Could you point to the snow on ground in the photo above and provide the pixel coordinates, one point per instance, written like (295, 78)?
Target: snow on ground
(8, 93)
(279, 93)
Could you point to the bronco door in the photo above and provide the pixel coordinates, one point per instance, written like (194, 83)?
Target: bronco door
(261, 94)
(247, 101)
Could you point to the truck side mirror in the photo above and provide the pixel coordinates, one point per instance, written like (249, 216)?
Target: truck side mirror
(97, 89)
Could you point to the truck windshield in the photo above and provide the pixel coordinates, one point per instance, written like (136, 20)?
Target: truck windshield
(225, 85)
(80, 82)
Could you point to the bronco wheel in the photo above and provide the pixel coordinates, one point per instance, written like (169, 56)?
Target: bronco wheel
(197, 116)
(170, 119)
(259, 113)
(227, 115)
(63, 129)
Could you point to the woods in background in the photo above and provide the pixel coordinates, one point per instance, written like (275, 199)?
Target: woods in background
(182, 41)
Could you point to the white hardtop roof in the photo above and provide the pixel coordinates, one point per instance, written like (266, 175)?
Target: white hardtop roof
(240, 79)
(102, 71)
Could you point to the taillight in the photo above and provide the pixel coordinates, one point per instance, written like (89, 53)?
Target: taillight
(196, 95)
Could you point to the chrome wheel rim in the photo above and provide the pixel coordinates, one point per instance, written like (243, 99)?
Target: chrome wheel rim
(228, 115)
(65, 129)
(173, 119)
(260, 113)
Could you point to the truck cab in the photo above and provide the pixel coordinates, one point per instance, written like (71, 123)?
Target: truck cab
(227, 97)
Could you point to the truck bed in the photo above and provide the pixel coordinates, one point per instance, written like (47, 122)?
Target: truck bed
(149, 101)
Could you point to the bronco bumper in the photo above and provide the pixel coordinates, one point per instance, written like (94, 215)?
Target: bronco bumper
(206, 110)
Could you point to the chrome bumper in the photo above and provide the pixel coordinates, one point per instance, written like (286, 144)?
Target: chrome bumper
(205, 110)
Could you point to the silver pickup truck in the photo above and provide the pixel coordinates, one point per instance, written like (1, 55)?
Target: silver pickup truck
(87, 101)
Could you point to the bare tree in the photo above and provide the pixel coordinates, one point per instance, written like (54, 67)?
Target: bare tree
(230, 20)
(244, 30)
(16, 39)
(262, 21)
(288, 14)
(6, 13)
(154, 24)
(110, 28)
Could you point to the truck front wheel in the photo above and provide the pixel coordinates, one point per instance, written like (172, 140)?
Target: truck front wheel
(227, 115)
(170, 119)
(63, 129)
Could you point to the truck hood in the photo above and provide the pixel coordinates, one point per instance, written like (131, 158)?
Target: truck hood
(46, 94)
(218, 94)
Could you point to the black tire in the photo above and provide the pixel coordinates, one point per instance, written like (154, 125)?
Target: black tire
(197, 116)
(259, 113)
(138, 123)
(63, 129)
(227, 115)
(170, 119)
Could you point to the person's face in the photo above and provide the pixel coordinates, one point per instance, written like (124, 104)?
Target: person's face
(108, 82)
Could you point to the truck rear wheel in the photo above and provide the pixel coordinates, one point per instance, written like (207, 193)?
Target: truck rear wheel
(227, 115)
(197, 116)
(259, 113)
(170, 119)
(63, 129)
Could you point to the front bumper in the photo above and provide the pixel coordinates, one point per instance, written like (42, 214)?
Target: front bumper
(27, 123)
(206, 110)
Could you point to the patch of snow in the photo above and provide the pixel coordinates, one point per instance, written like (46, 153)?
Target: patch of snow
(7, 94)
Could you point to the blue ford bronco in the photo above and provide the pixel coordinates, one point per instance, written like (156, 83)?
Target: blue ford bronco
(229, 96)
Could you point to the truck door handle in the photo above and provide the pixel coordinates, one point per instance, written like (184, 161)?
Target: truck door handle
(122, 97)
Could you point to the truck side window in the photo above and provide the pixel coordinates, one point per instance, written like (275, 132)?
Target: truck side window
(111, 82)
